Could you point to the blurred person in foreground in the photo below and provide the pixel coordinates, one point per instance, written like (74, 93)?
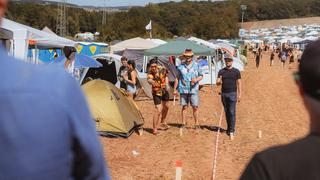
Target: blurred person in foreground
(300, 159)
(230, 79)
(187, 83)
(46, 131)
(158, 78)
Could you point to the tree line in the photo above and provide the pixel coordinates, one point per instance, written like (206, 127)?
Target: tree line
(205, 19)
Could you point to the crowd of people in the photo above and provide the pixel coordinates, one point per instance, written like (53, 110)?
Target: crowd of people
(286, 54)
(186, 84)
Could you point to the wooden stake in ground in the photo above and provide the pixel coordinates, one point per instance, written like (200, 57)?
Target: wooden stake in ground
(178, 170)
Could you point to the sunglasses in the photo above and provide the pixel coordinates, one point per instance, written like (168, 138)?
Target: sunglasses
(153, 66)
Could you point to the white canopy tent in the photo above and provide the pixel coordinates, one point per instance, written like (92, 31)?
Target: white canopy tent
(134, 43)
(157, 41)
(203, 42)
(311, 38)
(24, 35)
(226, 46)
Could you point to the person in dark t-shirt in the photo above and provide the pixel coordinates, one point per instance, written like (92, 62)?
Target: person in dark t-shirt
(230, 78)
(300, 159)
(123, 71)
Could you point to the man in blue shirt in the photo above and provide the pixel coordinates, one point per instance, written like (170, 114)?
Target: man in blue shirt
(188, 86)
(46, 131)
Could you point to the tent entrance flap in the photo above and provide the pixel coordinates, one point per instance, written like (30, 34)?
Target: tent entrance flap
(107, 72)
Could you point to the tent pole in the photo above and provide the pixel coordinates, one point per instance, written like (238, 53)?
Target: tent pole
(144, 63)
(83, 75)
(36, 54)
(210, 68)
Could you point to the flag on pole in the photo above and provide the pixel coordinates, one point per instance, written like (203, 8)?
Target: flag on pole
(149, 26)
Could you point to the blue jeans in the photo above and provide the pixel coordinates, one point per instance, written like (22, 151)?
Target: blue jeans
(229, 101)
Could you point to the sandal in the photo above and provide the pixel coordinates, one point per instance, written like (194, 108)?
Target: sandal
(164, 126)
(196, 127)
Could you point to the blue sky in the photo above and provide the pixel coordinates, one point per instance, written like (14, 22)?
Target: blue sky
(115, 2)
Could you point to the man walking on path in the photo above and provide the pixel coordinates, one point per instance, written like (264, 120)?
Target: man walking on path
(258, 58)
(272, 58)
(46, 131)
(158, 78)
(187, 83)
(300, 159)
(230, 79)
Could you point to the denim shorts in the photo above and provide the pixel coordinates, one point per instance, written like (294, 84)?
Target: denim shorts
(131, 89)
(186, 99)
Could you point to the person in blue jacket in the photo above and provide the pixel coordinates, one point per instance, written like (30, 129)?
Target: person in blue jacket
(46, 130)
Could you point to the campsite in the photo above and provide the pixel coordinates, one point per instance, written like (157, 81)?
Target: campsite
(259, 110)
(135, 72)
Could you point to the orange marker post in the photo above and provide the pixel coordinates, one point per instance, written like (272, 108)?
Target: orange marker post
(178, 170)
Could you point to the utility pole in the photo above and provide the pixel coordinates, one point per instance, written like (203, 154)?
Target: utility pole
(243, 9)
(62, 21)
(104, 13)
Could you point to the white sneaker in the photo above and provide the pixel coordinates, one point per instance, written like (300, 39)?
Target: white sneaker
(231, 136)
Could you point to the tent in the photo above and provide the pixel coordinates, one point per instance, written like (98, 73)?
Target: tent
(113, 111)
(157, 41)
(177, 47)
(5, 38)
(134, 43)
(111, 64)
(203, 42)
(25, 36)
(48, 30)
(91, 48)
(134, 49)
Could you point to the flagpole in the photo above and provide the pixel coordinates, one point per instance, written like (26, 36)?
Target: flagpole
(150, 34)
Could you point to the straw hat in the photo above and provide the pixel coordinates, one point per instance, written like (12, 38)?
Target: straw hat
(188, 53)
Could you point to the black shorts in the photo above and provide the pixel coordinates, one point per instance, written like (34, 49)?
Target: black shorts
(158, 99)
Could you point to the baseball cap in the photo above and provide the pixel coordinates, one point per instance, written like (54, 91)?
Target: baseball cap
(227, 57)
(309, 70)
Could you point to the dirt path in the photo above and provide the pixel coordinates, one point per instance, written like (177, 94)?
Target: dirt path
(270, 103)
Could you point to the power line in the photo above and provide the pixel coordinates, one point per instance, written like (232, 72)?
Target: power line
(104, 14)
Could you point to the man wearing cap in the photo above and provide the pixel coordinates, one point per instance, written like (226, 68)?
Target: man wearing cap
(230, 79)
(300, 159)
(187, 83)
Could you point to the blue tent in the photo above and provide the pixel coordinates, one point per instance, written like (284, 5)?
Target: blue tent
(81, 61)
(86, 48)
(91, 49)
